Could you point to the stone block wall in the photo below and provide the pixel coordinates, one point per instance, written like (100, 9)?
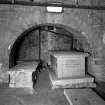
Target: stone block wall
(28, 49)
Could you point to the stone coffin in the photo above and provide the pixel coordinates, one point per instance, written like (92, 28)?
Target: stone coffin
(21, 78)
(21, 75)
(68, 64)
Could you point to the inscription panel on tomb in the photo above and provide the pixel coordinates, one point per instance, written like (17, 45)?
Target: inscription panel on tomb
(69, 64)
(72, 66)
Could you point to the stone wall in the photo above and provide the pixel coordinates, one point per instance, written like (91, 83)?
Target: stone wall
(87, 25)
(29, 46)
(29, 49)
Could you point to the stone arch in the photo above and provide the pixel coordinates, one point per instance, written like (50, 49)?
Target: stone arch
(76, 34)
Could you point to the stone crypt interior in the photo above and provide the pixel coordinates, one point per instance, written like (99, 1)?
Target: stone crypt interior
(52, 58)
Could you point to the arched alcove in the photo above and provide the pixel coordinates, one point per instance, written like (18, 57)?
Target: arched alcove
(66, 39)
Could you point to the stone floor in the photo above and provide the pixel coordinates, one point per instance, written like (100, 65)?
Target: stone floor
(43, 94)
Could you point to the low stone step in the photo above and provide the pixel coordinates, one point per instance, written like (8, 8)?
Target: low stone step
(77, 82)
(83, 97)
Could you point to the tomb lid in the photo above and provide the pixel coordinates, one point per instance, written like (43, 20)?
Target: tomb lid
(28, 66)
(68, 53)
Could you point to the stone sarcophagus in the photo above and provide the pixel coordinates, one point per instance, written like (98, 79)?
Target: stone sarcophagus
(21, 78)
(68, 64)
(21, 75)
(68, 70)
